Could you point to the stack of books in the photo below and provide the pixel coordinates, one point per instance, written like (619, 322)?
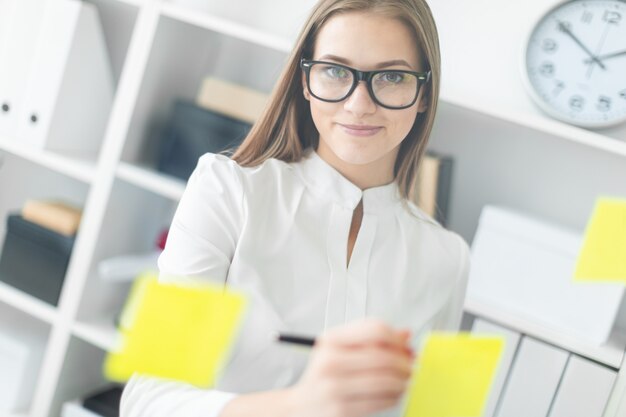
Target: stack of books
(432, 190)
(56, 216)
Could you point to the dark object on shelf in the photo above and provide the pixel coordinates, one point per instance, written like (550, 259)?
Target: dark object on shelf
(34, 259)
(105, 402)
(193, 131)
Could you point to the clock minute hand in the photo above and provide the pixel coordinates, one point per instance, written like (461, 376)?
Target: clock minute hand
(594, 58)
(607, 56)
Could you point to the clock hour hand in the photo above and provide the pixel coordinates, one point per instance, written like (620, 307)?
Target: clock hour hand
(607, 56)
(564, 28)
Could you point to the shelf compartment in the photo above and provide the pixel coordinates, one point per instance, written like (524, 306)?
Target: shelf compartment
(174, 73)
(151, 180)
(518, 167)
(226, 26)
(79, 168)
(133, 221)
(99, 31)
(610, 354)
(27, 180)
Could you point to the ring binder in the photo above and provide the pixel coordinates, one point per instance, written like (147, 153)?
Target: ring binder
(61, 54)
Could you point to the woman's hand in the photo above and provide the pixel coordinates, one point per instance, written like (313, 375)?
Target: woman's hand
(355, 370)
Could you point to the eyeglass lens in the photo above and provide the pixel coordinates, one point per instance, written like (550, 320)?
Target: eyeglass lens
(390, 88)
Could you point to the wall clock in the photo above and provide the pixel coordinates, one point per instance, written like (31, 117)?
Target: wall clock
(574, 62)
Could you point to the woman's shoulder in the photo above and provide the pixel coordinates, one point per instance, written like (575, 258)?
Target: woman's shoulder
(223, 166)
(260, 180)
(217, 164)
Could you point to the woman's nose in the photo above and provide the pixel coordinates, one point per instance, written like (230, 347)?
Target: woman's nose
(360, 102)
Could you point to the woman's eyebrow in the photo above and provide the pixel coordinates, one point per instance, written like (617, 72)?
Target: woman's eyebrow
(379, 65)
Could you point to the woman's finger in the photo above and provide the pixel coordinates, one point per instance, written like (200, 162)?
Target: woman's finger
(364, 332)
(368, 386)
(344, 361)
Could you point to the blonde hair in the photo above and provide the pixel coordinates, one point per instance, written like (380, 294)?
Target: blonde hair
(285, 128)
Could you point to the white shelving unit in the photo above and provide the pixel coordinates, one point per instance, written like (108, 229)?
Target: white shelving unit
(506, 152)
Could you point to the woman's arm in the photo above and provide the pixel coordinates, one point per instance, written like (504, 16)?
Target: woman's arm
(207, 224)
(355, 370)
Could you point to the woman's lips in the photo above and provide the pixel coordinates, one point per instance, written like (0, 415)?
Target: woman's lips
(360, 130)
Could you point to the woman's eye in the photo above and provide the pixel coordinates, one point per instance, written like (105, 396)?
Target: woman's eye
(391, 77)
(337, 72)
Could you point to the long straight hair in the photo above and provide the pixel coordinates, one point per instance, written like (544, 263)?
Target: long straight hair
(285, 128)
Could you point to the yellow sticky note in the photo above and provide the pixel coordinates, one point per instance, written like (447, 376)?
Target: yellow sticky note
(178, 332)
(603, 254)
(453, 375)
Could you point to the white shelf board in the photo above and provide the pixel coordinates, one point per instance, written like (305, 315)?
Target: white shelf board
(539, 123)
(610, 354)
(81, 169)
(100, 333)
(150, 180)
(225, 27)
(27, 303)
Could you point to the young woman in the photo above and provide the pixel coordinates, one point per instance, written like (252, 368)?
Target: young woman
(312, 217)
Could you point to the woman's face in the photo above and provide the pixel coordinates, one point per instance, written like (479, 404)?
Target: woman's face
(357, 131)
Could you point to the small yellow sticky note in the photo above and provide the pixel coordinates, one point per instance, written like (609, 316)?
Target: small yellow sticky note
(453, 375)
(603, 254)
(175, 331)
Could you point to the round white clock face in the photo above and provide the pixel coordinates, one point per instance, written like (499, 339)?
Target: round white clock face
(576, 62)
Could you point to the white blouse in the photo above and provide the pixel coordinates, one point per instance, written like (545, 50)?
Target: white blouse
(279, 232)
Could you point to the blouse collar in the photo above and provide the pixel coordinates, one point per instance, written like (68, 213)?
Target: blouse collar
(326, 181)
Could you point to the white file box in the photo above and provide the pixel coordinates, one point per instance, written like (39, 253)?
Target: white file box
(69, 92)
(584, 390)
(533, 380)
(20, 21)
(526, 267)
(20, 359)
(512, 339)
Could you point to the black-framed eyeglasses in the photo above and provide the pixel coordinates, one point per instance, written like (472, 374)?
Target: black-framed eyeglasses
(392, 89)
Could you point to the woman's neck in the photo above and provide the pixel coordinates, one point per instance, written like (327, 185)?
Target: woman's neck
(373, 174)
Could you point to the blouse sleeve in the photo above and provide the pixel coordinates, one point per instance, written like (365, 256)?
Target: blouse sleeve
(450, 318)
(200, 244)
(207, 223)
(153, 397)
